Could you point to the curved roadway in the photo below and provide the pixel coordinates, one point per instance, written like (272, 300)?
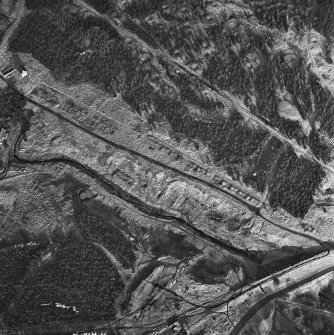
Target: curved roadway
(288, 282)
(253, 208)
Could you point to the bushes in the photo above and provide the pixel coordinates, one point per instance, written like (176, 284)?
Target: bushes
(142, 8)
(93, 229)
(324, 105)
(14, 265)
(228, 73)
(102, 6)
(12, 105)
(88, 49)
(82, 279)
(242, 61)
(52, 4)
(319, 147)
(12, 111)
(323, 20)
(295, 183)
(258, 176)
(274, 14)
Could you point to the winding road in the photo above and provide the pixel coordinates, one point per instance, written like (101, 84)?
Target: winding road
(317, 262)
(288, 282)
(157, 213)
(253, 208)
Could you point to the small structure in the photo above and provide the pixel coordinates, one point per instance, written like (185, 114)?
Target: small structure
(15, 69)
(17, 72)
(8, 71)
(23, 71)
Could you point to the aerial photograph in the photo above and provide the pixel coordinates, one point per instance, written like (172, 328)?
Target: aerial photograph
(166, 167)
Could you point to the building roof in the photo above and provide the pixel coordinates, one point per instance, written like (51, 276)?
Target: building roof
(8, 70)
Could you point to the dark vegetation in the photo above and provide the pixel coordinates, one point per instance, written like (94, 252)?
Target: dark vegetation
(324, 105)
(296, 320)
(98, 224)
(88, 49)
(293, 76)
(227, 61)
(102, 6)
(176, 36)
(326, 297)
(265, 84)
(136, 29)
(81, 277)
(93, 228)
(226, 71)
(319, 146)
(83, 49)
(317, 323)
(210, 270)
(312, 318)
(295, 183)
(280, 264)
(178, 40)
(51, 4)
(258, 175)
(15, 262)
(13, 110)
(11, 107)
(275, 14)
(230, 142)
(191, 9)
(21, 236)
(142, 8)
(171, 244)
(140, 276)
(105, 65)
(323, 17)
(306, 313)
(225, 67)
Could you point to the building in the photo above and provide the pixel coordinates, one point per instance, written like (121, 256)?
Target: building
(23, 71)
(9, 70)
(16, 72)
